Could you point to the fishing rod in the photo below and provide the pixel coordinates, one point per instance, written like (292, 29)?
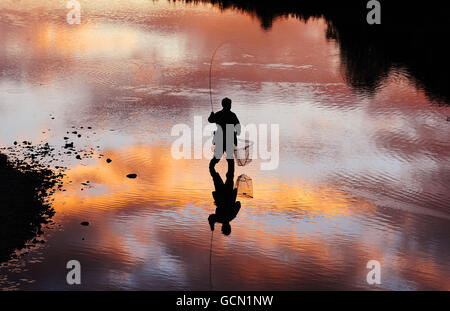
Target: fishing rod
(210, 71)
(210, 262)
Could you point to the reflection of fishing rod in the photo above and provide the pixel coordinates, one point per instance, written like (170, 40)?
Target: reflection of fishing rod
(210, 262)
(210, 72)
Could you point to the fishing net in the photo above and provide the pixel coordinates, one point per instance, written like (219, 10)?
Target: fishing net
(242, 152)
(244, 185)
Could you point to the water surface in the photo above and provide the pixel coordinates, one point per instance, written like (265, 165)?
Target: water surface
(362, 175)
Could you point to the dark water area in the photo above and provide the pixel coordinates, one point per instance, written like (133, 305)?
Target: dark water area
(88, 171)
(410, 39)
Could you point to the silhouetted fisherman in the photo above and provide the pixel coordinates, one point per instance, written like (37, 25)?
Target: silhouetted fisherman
(225, 199)
(227, 124)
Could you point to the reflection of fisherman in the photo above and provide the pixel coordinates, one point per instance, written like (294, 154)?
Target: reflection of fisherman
(225, 199)
(227, 122)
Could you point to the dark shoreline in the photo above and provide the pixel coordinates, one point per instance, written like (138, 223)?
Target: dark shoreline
(24, 203)
(411, 39)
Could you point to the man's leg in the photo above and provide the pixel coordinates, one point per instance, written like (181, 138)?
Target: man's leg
(230, 172)
(216, 158)
(218, 182)
(212, 164)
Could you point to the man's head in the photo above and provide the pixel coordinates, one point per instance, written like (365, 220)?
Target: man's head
(226, 103)
(226, 228)
(212, 221)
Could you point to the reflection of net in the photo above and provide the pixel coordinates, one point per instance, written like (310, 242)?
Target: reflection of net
(244, 185)
(242, 152)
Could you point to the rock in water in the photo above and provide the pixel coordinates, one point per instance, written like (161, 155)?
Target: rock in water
(131, 175)
(85, 223)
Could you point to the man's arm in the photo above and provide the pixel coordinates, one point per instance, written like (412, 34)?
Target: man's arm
(237, 125)
(212, 118)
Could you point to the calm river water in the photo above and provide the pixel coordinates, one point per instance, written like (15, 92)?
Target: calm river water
(361, 176)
